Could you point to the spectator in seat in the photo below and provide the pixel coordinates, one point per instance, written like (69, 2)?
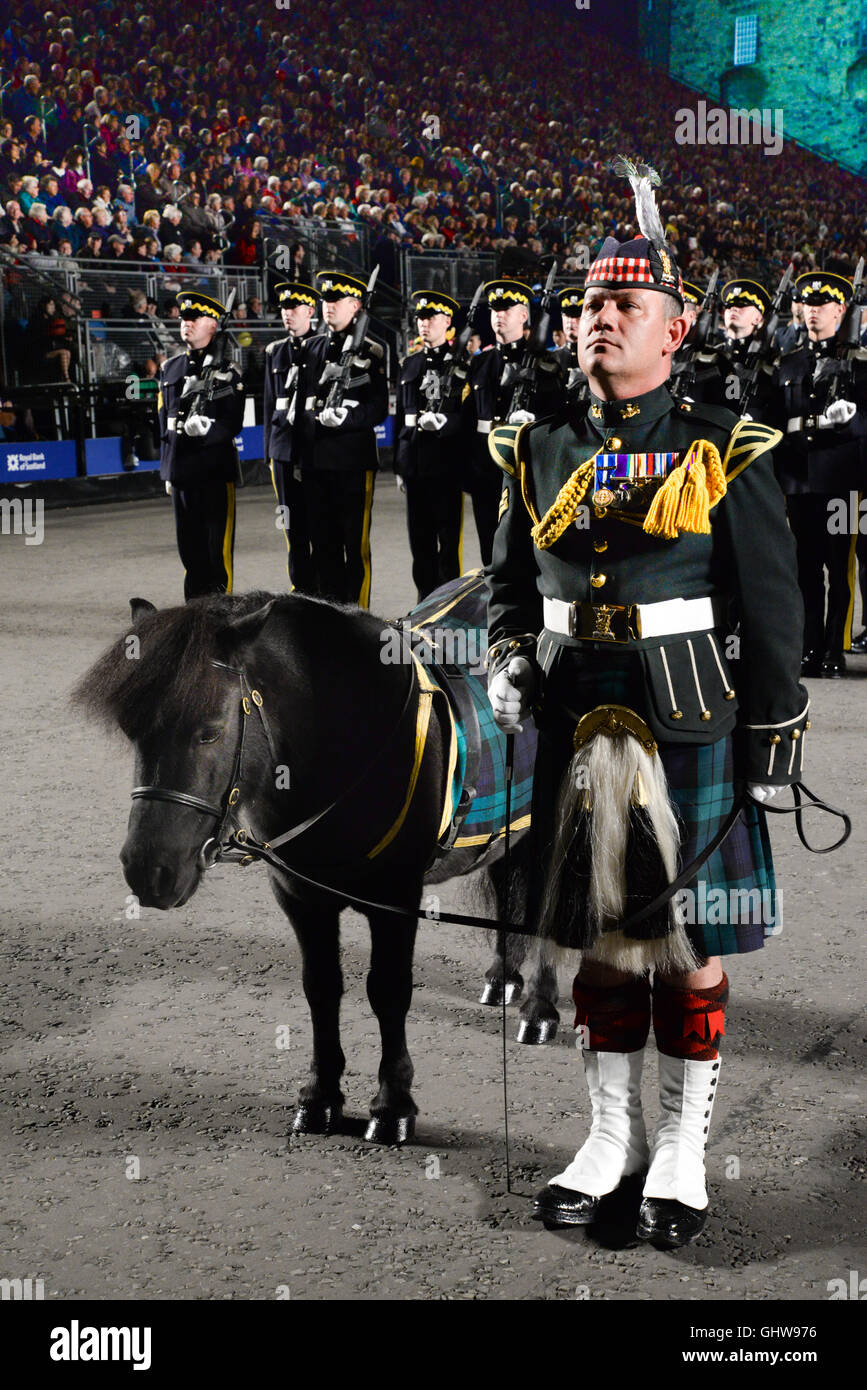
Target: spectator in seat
(50, 338)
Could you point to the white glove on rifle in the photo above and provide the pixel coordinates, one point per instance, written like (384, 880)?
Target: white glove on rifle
(431, 420)
(169, 489)
(333, 417)
(510, 692)
(839, 413)
(759, 792)
(521, 417)
(197, 426)
(400, 483)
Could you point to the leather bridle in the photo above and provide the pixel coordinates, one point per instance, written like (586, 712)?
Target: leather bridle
(234, 844)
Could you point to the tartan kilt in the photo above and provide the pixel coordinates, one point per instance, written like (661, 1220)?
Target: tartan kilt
(733, 899)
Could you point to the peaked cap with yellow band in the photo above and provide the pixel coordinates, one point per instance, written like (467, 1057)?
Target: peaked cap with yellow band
(682, 503)
(747, 293)
(426, 303)
(290, 292)
(571, 300)
(503, 294)
(692, 294)
(337, 284)
(193, 305)
(823, 287)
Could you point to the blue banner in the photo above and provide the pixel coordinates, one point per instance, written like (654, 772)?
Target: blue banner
(28, 463)
(385, 432)
(251, 442)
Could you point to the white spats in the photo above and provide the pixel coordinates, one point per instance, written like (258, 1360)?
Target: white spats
(687, 1090)
(617, 1143)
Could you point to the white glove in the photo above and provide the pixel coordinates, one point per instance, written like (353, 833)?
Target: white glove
(840, 412)
(333, 418)
(759, 792)
(509, 692)
(197, 426)
(521, 417)
(290, 413)
(431, 420)
(169, 489)
(400, 483)
(746, 415)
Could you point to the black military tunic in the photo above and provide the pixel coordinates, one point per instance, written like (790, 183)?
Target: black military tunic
(430, 464)
(282, 365)
(820, 466)
(202, 471)
(338, 465)
(575, 382)
(722, 370)
(605, 574)
(489, 399)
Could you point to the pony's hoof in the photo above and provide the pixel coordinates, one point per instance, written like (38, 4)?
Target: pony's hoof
(316, 1119)
(537, 1032)
(492, 993)
(390, 1129)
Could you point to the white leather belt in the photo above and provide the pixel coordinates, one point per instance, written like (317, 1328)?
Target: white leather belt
(619, 622)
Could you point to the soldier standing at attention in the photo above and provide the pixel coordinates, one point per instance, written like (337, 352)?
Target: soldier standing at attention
(571, 302)
(491, 392)
(629, 528)
(201, 410)
(427, 459)
(337, 443)
(282, 364)
(823, 414)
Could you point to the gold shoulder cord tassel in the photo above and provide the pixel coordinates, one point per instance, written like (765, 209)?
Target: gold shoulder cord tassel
(684, 501)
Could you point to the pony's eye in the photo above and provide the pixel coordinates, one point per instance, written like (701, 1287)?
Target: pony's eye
(211, 734)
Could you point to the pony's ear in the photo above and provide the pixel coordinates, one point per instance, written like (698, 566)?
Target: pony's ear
(239, 632)
(138, 607)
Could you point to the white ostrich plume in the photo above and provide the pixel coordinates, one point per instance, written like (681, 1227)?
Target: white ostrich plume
(643, 179)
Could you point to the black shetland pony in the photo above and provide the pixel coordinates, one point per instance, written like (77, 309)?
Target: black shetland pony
(275, 715)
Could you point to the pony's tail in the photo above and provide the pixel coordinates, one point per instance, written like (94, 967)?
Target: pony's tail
(616, 846)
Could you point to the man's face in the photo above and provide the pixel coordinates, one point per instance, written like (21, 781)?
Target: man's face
(823, 320)
(339, 313)
(797, 312)
(86, 217)
(508, 324)
(198, 332)
(571, 324)
(432, 329)
(741, 320)
(625, 341)
(296, 318)
(13, 209)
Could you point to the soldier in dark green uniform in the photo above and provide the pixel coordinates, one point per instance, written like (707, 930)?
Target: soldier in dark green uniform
(822, 411)
(282, 365)
(571, 300)
(495, 393)
(635, 532)
(198, 456)
(722, 368)
(427, 457)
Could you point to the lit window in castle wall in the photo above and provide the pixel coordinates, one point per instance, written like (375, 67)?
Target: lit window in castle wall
(746, 39)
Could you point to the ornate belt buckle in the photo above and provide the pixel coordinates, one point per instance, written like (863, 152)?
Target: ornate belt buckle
(604, 622)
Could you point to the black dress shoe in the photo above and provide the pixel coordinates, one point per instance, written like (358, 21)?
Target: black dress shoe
(834, 667)
(859, 643)
(669, 1223)
(811, 664)
(560, 1206)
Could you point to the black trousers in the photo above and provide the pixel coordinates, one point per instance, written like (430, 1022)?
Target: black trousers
(485, 491)
(434, 519)
(818, 551)
(290, 495)
(205, 528)
(339, 506)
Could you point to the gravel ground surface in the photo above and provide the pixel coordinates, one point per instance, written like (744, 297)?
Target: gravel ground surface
(155, 1040)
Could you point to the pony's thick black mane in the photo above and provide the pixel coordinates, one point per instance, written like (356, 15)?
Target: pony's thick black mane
(166, 677)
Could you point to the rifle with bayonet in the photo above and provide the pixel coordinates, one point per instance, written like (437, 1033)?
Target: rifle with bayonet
(696, 341)
(200, 391)
(848, 341)
(525, 376)
(762, 346)
(340, 374)
(443, 391)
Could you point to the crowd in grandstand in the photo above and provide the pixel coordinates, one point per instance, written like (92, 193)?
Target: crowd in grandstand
(124, 137)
